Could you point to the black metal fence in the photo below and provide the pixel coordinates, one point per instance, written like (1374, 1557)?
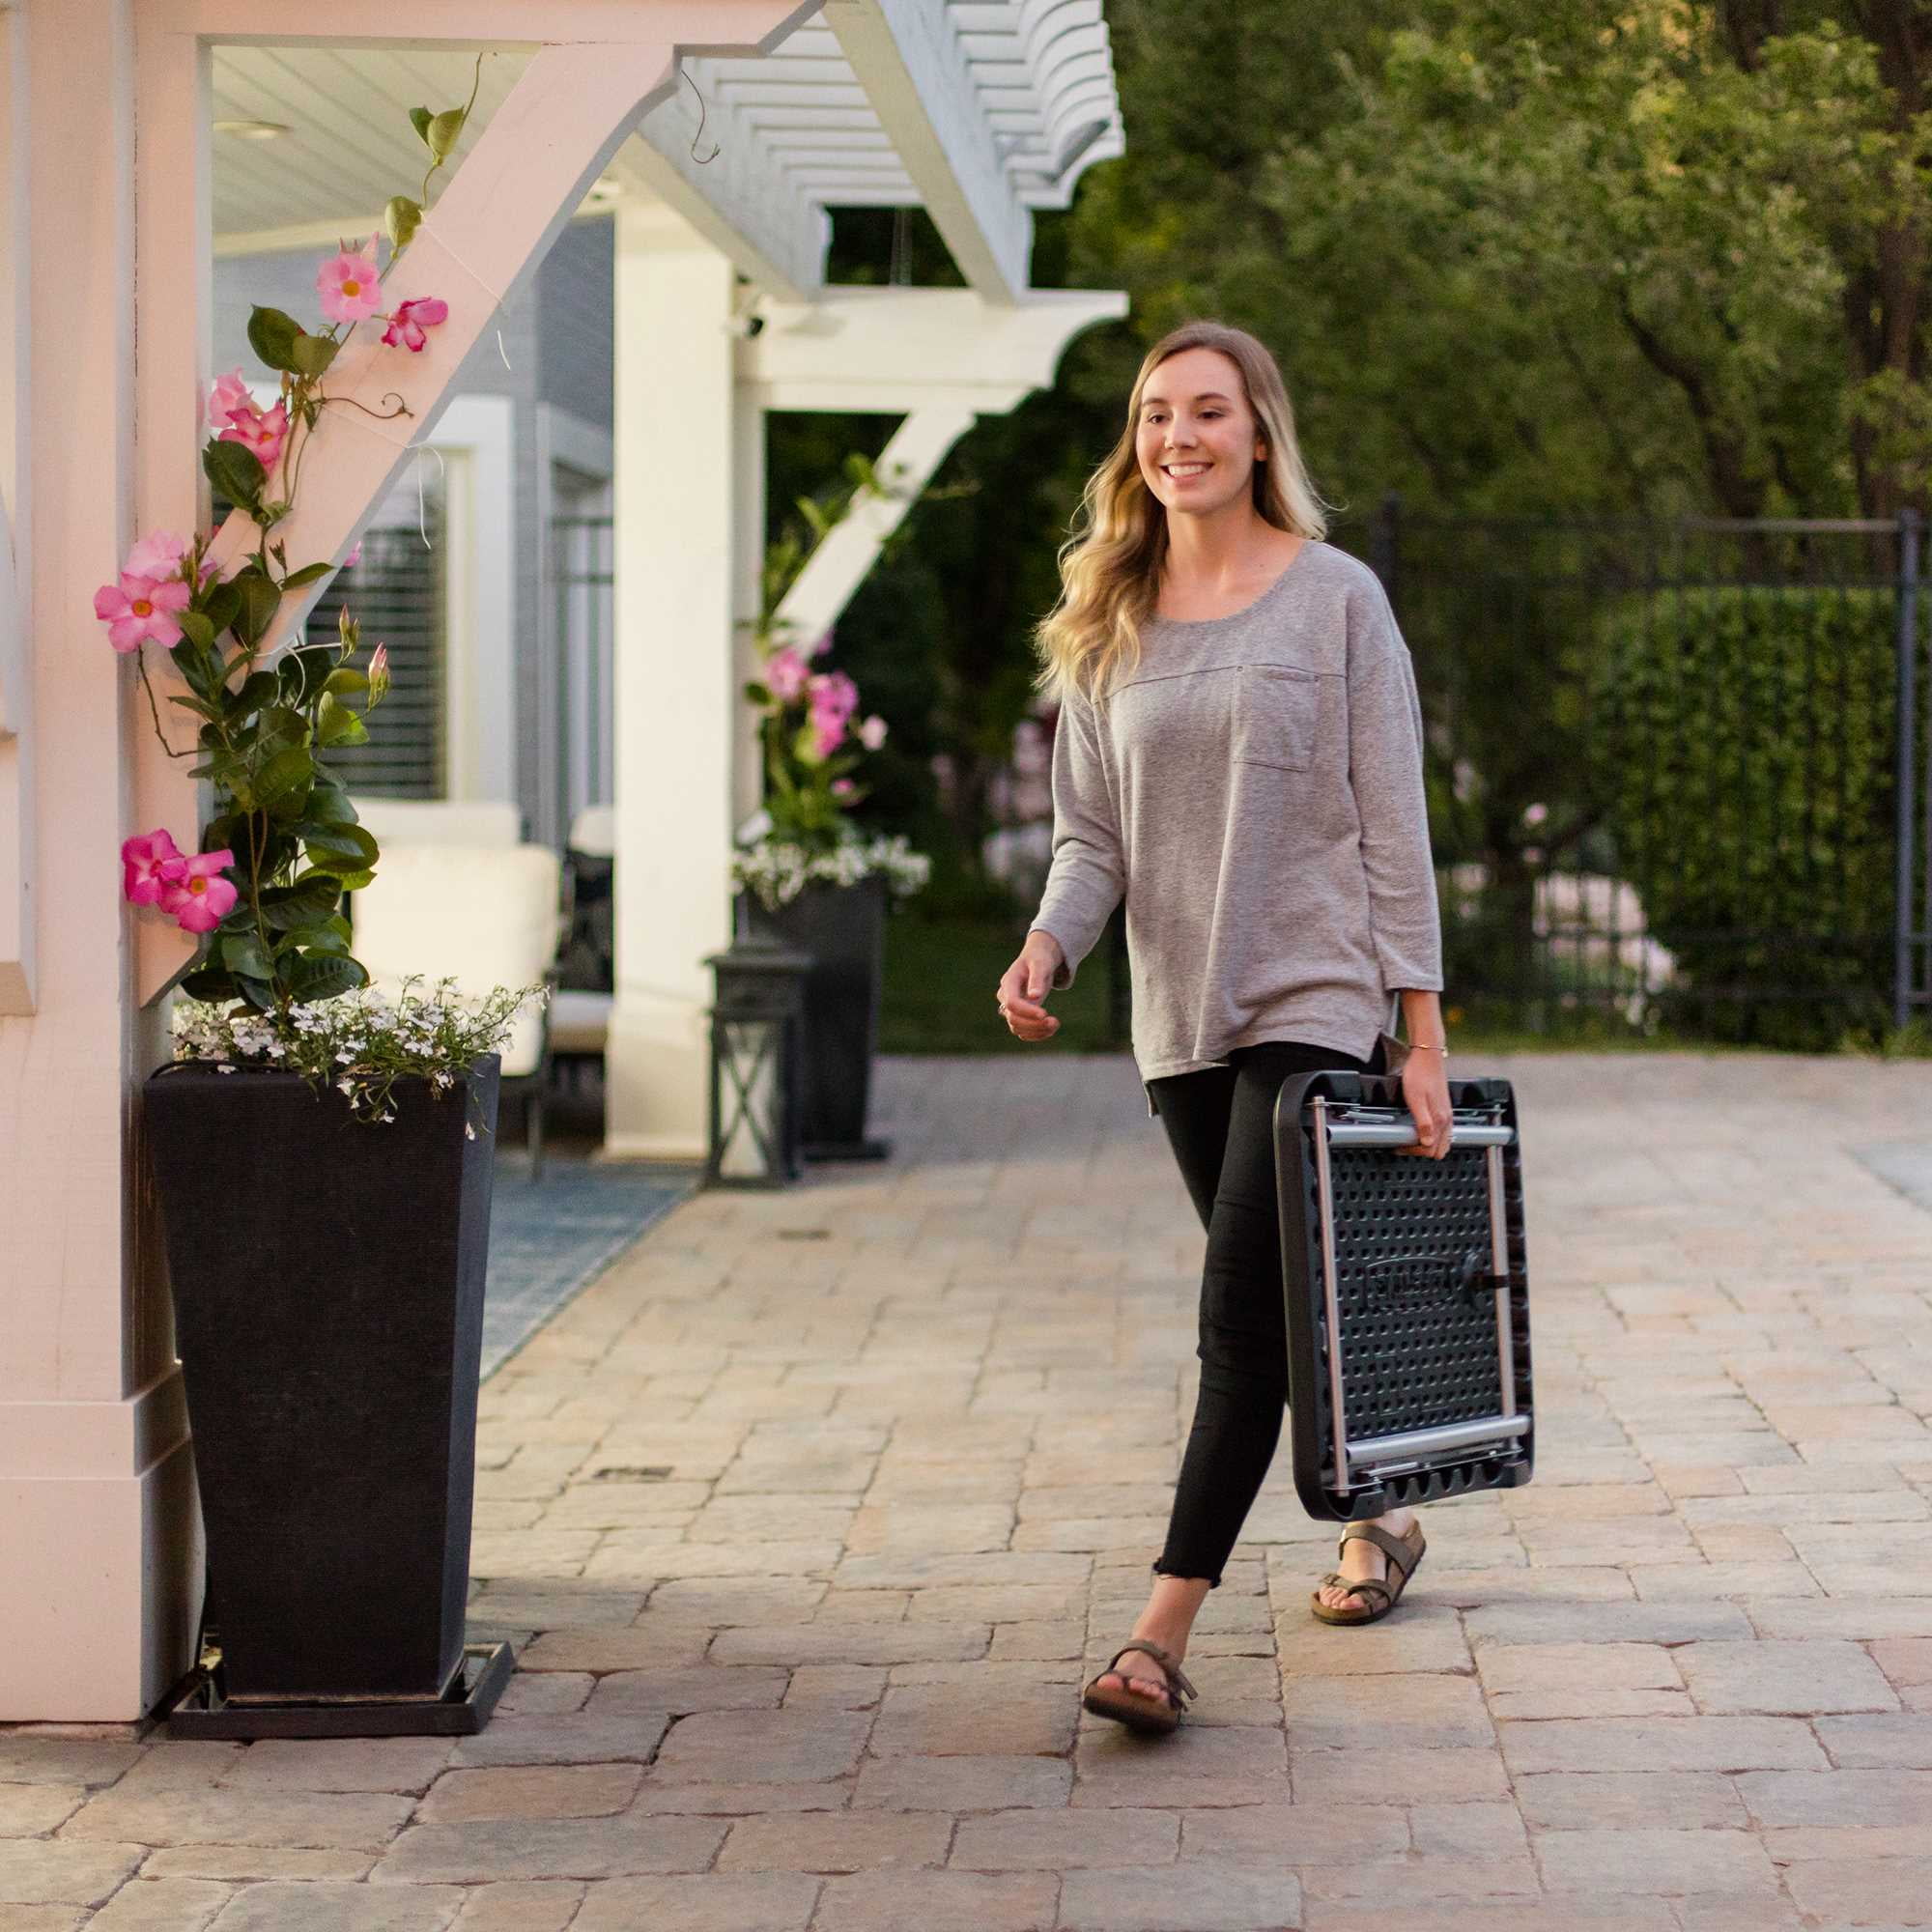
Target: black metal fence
(1678, 772)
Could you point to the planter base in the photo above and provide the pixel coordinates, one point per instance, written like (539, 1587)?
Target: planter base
(196, 1709)
(868, 1148)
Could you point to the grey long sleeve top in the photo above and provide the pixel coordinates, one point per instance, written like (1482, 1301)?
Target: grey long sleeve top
(1254, 790)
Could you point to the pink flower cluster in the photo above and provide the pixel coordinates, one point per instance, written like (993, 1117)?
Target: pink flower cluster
(833, 700)
(835, 697)
(234, 413)
(141, 603)
(190, 890)
(350, 288)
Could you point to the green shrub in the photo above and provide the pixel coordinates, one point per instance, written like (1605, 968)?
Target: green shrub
(1741, 745)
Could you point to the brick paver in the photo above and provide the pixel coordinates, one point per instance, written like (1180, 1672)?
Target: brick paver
(811, 1516)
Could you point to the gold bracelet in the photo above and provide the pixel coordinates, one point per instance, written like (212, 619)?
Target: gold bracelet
(1424, 1046)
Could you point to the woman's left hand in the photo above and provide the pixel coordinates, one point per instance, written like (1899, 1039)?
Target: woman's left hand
(1425, 1091)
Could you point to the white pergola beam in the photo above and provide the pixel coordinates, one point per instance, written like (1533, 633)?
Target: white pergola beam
(741, 199)
(838, 565)
(698, 26)
(906, 56)
(893, 350)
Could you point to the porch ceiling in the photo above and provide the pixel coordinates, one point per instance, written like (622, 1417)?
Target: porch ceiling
(806, 133)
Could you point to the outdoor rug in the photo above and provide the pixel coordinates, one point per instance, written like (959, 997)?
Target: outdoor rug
(552, 1238)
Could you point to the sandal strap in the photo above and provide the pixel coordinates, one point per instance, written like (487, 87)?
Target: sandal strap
(1177, 1677)
(1398, 1551)
(1355, 1583)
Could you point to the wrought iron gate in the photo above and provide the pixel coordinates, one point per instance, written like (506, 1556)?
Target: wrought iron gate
(1679, 772)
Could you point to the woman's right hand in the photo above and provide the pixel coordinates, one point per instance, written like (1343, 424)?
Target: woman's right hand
(1026, 983)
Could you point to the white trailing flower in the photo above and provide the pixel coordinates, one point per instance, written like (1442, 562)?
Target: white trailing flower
(437, 1035)
(778, 871)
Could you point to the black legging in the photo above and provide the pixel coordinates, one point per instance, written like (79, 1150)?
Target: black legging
(1220, 1122)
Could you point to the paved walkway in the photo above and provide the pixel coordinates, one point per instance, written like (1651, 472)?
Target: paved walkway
(808, 1512)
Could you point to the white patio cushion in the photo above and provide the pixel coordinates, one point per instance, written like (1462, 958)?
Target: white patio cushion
(594, 831)
(441, 821)
(580, 1021)
(484, 915)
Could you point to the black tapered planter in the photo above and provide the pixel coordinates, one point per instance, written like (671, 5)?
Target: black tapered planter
(844, 928)
(327, 1277)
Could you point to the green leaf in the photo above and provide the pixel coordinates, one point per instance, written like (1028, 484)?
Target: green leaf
(307, 574)
(341, 849)
(308, 902)
(200, 706)
(758, 694)
(273, 336)
(257, 690)
(283, 785)
(197, 628)
(243, 953)
(259, 993)
(443, 131)
(353, 882)
(236, 471)
(278, 728)
(329, 805)
(401, 219)
(324, 978)
(336, 725)
(419, 120)
(259, 597)
(209, 983)
(312, 355)
(223, 605)
(315, 939)
(303, 670)
(346, 681)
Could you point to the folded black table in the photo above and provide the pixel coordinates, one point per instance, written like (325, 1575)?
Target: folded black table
(1408, 1296)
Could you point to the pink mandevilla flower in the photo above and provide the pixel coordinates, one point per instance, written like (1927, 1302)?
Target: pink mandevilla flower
(843, 788)
(833, 698)
(138, 609)
(785, 675)
(264, 433)
(872, 732)
(405, 326)
(823, 645)
(199, 898)
(349, 285)
(159, 557)
(827, 734)
(354, 555)
(228, 399)
(151, 863)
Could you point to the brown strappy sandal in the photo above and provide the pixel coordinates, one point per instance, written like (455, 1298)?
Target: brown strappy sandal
(1404, 1554)
(1129, 1707)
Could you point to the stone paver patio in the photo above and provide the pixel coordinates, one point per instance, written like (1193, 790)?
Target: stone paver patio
(811, 1514)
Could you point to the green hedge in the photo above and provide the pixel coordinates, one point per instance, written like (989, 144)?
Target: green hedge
(1741, 745)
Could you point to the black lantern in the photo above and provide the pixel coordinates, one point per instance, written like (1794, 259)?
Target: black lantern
(756, 1023)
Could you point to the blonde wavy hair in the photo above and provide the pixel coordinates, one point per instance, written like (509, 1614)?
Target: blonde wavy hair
(1110, 566)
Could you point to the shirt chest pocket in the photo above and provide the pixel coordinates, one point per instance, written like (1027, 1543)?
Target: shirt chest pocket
(1275, 708)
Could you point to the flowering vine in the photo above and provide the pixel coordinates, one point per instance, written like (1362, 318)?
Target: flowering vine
(804, 730)
(284, 842)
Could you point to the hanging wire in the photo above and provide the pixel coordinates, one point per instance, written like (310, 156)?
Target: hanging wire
(503, 352)
(700, 159)
(443, 472)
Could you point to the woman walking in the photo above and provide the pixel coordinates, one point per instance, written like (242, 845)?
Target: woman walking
(1239, 755)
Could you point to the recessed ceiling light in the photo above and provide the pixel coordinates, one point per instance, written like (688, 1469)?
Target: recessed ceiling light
(254, 130)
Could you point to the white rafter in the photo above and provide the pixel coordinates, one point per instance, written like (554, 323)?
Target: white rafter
(907, 57)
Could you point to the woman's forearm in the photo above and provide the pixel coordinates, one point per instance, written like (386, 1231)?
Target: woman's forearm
(1422, 1017)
